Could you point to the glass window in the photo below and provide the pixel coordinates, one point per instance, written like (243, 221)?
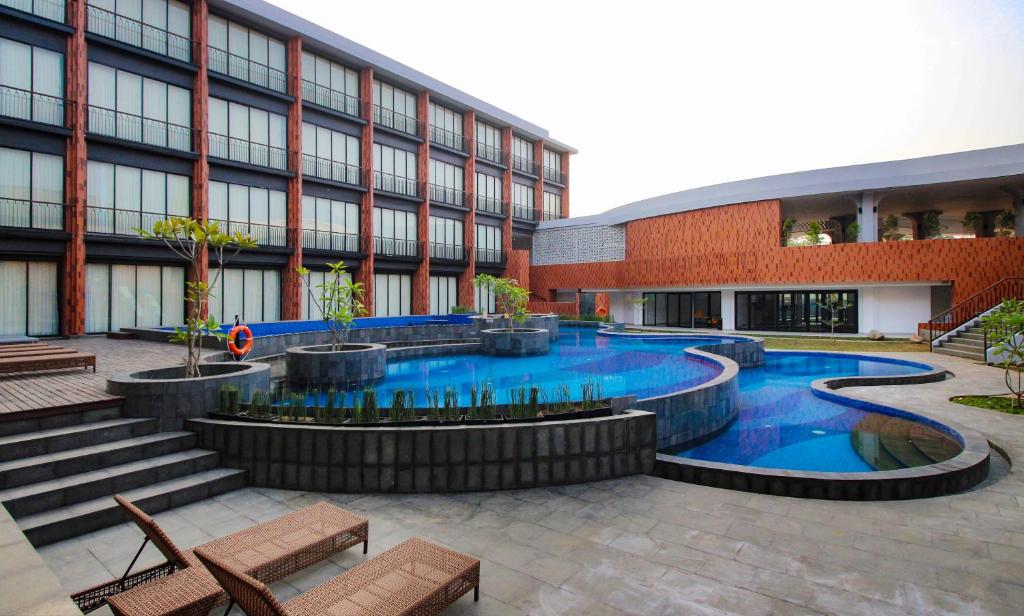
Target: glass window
(29, 292)
(447, 183)
(522, 201)
(330, 225)
(245, 54)
(488, 244)
(139, 109)
(488, 193)
(246, 134)
(31, 190)
(31, 83)
(394, 170)
(256, 212)
(251, 294)
(311, 295)
(446, 127)
(394, 107)
(395, 232)
(329, 154)
(443, 294)
(160, 26)
(552, 206)
(329, 84)
(488, 140)
(392, 295)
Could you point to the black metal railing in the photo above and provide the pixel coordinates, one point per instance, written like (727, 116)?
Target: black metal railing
(226, 63)
(447, 196)
(28, 214)
(330, 240)
(526, 165)
(972, 307)
(32, 106)
(110, 221)
(396, 184)
(242, 151)
(490, 255)
(398, 121)
(327, 169)
(131, 127)
(138, 34)
(489, 204)
(523, 212)
(261, 233)
(447, 138)
(331, 99)
(489, 152)
(549, 215)
(54, 10)
(447, 252)
(392, 247)
(554, 175)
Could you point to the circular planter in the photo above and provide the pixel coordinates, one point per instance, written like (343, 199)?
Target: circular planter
(353, 365)
(518, 343)
(534, 321)
(165, 393)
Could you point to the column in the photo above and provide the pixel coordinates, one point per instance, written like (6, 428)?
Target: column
(421, 279)
(365, 272)
(72, 307)
(467, 292)
(200, 123)
(506, 197)
(867, 217)
(538, 186)
(565, 181)
(291, 282)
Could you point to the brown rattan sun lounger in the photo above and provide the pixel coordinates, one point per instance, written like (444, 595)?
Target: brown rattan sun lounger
(25, 346)
(269, 552)
(414, 577)
(47, 362)
(4, 353)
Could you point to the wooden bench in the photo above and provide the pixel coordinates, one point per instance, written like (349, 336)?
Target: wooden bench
(35, 352)
(47, 362)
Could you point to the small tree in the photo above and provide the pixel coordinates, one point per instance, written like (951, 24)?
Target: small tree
(835, 308)
(890, 227)
(1005, 325)
(931, 225)
(853, 232)
(814, 233)
(787, 228)
(1005, 223)
(509, 298)
(193, 241)
(340, 301)
(970, 222)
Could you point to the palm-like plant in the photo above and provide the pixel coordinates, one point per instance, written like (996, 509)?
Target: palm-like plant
(340, 301)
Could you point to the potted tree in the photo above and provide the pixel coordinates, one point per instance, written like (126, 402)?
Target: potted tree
(340, 301)
(510, 301)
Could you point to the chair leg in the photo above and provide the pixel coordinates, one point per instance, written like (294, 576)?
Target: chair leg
(476, 593)
(230, 605)
(366, 546)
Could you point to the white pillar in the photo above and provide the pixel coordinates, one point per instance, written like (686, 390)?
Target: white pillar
(728, 310)
(867, 216)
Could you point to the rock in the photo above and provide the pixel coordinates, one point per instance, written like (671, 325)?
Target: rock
(916, 339)
(876, 335)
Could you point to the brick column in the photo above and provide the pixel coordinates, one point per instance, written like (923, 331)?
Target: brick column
(200, 122)
(72, 305)
(565, 180)
(291, 284)
(506, 195)
(365, 273)
(421, 279)
(538, 186)
(467, 292)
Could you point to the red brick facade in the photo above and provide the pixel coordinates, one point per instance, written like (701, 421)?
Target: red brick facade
(75, 189)
(291, 282)
(421, 279)
(466, 291)
(365, 272)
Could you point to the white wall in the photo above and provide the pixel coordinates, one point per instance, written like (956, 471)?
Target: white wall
(728, 310)
(893, 310)
(624, 308)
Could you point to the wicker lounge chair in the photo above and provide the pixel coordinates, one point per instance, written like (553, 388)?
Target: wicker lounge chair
(47, 362)
(414, 577)
(269, 552)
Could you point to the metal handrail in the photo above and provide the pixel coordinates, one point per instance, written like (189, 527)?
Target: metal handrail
(523, 212)
(331, 99)
(139, 129)
(490, 204)
(262, 233)
(244, 151)
(490, 255)
(447, 195)
(490, 152)
(523, 164)
(399, 185)
(552, 215)
(47, 9)
(393, 247)
(398, 121)
(448, 252)
(29, 214)
(314, 239)
(972, 307)
(447, 138)
(227, 63)
(138, 34)
(111, 221)
(32, 106)
(328, 169)
(554, 175)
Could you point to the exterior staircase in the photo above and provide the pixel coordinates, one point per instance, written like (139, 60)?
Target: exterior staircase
(967, 338)
(57, 478)
(967, 343)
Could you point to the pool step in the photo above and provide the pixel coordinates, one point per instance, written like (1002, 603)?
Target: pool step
(890, 443)
(932, 443)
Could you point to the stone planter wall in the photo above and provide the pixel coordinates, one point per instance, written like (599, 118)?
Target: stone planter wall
(163, 393)
(746, 353)
(518, 343)
(433, 458)
(356, 364)
(534, 321)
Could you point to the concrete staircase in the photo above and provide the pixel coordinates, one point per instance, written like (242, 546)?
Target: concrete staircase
(968, 343)
(57, 479)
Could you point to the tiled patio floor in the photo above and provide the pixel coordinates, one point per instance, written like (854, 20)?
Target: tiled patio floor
(643, 545)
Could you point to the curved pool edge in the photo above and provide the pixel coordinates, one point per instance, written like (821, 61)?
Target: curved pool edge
(962, 472)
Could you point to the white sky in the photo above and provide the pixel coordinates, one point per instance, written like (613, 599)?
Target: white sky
(664, 96)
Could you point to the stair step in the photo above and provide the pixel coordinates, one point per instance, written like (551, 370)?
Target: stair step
(897, 443)
(73, 437)
(975, 355)
(35, 497)
(935, 445)
(10, 426)
(963, 345)
(74, 520)
(63, 463)
(980, 337)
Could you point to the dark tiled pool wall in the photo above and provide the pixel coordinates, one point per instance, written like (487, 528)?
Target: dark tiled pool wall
(748, 354)
(348, 368)
(434, 459)
(534, 321)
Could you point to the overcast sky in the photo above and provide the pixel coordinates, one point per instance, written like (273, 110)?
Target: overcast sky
(663, 96)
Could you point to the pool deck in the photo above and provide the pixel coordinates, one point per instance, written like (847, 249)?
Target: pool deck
(643, 545)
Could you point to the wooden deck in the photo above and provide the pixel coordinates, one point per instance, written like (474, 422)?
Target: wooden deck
(29, 392)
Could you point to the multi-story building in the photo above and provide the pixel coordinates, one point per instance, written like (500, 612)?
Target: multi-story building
(117, 114)
(887, 246)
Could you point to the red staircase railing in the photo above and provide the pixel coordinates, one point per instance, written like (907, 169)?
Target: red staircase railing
(972, 307)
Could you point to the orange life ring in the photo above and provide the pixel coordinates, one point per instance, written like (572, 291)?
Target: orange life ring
(602, 311)
(233, 335)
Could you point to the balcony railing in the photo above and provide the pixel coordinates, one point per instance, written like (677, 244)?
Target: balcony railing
(262, 234)
(523, 212)
(554, 175)
(447, 138)
(447, 252)
(27, 214)
(447, 196)
(489, 152)
(130, 127)
(137, 34)
(391, 247)
(242, 151)
(54, 10)
(395, 120)
(396, 184)
(229, 64)
(329, 240)
(327, 169)
(331, 99)
(490, 204)
(119, 222)
(548, 215)
(526, 165)
(490, 255)
(31, 106)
